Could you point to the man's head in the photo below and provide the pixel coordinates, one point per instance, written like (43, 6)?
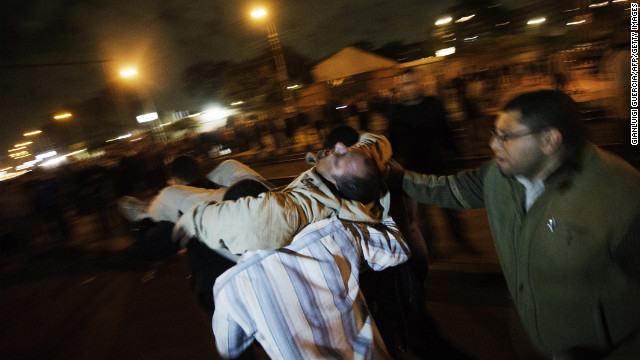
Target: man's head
(185, 170)
(353, 171)
(536, 133)
(342, 133)
(408, 87)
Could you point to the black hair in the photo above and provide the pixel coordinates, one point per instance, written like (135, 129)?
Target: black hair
(246, 187)
(344, 134)
(366, 188)
(186, 168)
(552, 108)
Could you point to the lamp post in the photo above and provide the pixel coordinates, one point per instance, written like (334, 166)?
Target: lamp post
(278, 56)
(150, 115)
(149, 105)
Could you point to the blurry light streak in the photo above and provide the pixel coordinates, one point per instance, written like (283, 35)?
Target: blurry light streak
(454, 39)
(576, 22)
(471, 39)
(504, 23)
(215, 117)
(76, 152)
(13, 175)
(23, 144)
(35, 132)
(147, 117)
(62, 116)
(536, 21)
(466, 18)
(446, 51)
(47, 154)
(570, 10)
(123, 136)
(136, 139)
(54, 161)
(216, 113)
(237, 103)
(7, 168)
(19, 148)
(615, 1)
(443, 21)
(599, 4)
(20, 153)
(293, 87)
(341, 107)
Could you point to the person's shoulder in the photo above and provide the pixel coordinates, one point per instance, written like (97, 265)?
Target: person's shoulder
(607, 164)
(248, 260)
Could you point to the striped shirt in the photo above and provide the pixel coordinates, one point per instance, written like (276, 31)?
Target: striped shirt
(303, 301)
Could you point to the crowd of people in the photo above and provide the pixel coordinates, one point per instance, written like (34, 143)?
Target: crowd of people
(289, 269)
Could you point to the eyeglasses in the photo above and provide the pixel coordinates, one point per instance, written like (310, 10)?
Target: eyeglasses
(510, 136)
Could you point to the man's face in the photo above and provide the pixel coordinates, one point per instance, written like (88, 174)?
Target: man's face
(519, 152)
(408, 88)
(340, 160)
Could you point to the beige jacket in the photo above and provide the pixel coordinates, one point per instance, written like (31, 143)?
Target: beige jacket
(271, 220)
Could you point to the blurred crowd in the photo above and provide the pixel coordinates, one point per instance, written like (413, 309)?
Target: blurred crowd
(41, 206)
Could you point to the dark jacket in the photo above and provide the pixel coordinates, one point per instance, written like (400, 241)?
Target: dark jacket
(572, 262)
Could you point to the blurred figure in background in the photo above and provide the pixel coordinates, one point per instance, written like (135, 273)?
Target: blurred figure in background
(420, 137)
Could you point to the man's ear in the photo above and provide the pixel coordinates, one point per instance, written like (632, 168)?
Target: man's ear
(550, 140)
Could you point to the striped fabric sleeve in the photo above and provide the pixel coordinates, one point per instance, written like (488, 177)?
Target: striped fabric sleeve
(384, 245)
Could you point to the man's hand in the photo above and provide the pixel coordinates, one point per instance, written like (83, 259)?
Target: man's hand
(180, 235)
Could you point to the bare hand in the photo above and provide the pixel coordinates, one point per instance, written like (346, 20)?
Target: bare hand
(179, 235)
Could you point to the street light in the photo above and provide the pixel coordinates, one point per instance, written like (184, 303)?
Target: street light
(150, 114)
(278, 56)
(258, 13)
(62, 116)
(149, 104)
(128, 72)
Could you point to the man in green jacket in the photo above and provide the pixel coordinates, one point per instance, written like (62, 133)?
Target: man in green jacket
(565, 220)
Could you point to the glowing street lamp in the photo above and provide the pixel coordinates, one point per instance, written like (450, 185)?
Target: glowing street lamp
(128, 72)
(257, 13)
(278, 56)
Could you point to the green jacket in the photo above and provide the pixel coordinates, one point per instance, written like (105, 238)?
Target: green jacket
(271, 220)
(572, 263)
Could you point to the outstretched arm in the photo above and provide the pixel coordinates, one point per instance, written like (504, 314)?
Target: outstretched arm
(268, 221)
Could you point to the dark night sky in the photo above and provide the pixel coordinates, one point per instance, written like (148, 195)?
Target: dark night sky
(162, 37)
